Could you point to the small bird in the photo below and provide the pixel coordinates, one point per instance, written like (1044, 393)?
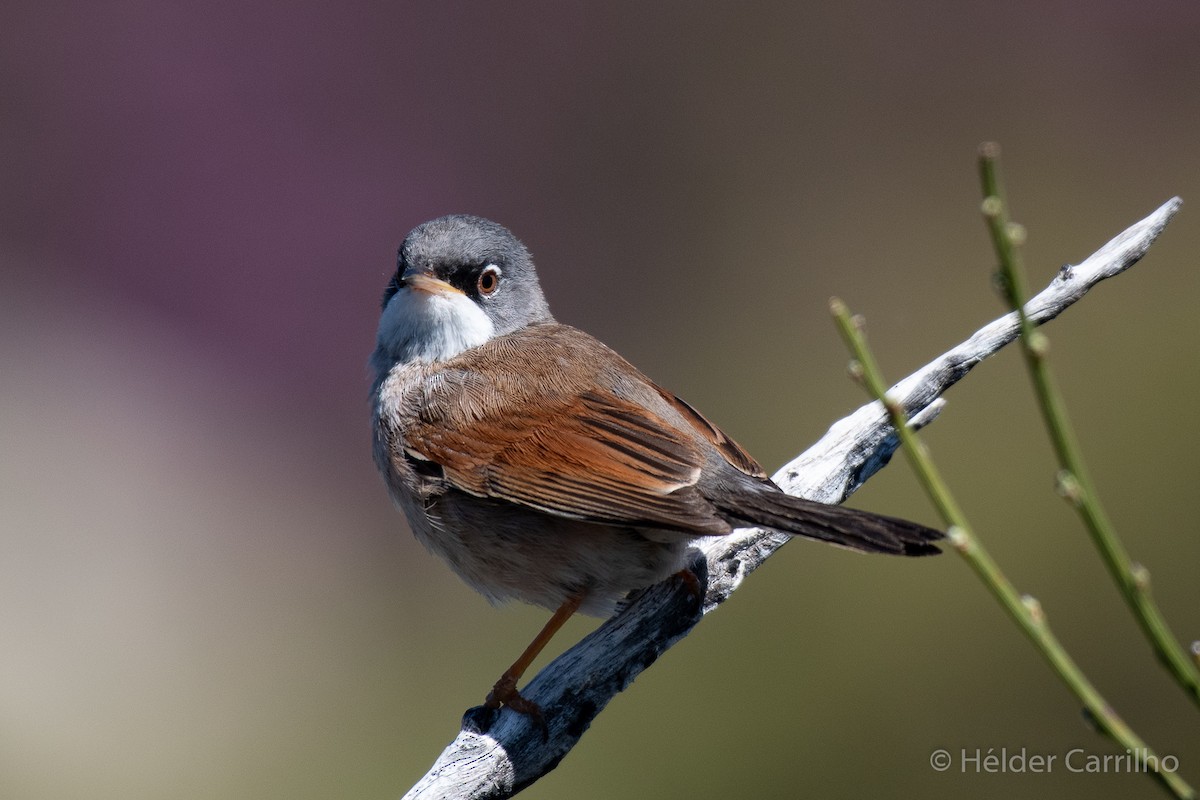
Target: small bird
(541, 465)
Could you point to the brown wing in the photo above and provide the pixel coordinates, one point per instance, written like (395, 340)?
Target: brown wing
(565, 425)
(593, 456)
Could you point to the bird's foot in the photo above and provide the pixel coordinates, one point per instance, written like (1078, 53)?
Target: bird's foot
(505, 694)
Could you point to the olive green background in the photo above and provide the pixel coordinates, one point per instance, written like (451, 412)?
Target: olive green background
(204, 591)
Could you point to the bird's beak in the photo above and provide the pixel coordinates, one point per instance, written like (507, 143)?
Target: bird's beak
(424, 282)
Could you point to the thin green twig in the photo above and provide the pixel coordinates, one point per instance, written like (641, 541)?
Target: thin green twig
(1076, 486)
(1024, 610)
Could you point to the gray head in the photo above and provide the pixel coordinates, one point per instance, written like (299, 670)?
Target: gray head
(460, 281)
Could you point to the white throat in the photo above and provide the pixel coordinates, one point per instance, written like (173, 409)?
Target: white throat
(419, 326)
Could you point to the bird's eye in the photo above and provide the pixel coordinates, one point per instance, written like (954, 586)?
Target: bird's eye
(489, 279)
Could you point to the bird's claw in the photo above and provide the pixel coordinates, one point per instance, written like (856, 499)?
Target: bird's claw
(505, 694)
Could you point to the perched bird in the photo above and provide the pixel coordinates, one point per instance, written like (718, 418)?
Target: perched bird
(540, 464)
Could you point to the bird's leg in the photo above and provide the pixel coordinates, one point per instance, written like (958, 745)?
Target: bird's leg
(505, 691)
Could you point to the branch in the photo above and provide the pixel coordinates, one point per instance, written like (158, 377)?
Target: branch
(498, 753)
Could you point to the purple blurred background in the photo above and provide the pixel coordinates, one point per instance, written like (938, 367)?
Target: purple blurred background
(204, 591)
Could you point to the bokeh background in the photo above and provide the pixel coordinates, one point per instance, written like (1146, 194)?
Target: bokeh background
(204, 591)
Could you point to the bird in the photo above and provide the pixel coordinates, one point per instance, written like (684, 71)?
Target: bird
(541, 465)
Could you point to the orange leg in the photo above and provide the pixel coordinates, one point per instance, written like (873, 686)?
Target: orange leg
(505, 691)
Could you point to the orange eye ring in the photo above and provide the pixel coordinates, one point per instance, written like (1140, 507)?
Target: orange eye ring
(489, 280)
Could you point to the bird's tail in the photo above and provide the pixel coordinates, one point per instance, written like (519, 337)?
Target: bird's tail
(846, 527)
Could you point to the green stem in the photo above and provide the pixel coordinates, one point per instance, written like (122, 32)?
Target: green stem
(1024, 610)
(1076, 485)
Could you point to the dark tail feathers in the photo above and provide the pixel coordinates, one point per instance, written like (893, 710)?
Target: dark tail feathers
(846, 527)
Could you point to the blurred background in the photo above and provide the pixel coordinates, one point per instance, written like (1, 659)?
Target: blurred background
(204, 591)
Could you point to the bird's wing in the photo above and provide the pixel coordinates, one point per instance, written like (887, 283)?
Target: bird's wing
(550, 418)
(590, 455)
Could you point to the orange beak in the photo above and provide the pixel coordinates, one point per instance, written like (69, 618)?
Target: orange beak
(424, 282)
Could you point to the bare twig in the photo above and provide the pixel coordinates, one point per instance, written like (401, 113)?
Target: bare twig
(497, 754)
(1075, 483)
(1024, 610)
